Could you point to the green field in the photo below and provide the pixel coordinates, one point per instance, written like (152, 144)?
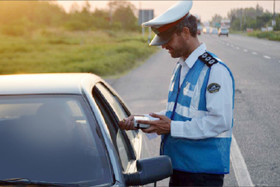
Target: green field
(105, 53)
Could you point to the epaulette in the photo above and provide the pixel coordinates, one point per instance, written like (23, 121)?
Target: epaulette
(207, 59)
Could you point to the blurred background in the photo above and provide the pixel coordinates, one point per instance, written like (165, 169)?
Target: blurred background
(105, 37)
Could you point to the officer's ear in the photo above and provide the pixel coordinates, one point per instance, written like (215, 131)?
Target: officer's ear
(186, 33)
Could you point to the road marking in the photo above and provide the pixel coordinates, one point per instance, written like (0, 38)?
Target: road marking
(245, 50)
(237, 48)
(254, 53)
(267, 57)
(232, 45)
(239, 166)
(227, 44)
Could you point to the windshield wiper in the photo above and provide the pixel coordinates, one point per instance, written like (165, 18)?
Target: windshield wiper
(25, 181)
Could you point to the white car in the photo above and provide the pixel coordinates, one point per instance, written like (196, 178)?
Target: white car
(223, 31)
(62, 130)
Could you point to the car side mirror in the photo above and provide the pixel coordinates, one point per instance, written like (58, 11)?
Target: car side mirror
(150, 170)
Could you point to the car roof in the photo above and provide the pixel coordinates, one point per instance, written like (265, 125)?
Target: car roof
(48, 83)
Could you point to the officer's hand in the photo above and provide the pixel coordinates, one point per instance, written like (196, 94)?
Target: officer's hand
(161, 126)
(127, 123)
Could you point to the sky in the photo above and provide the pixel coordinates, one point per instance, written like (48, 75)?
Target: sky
(206, 9)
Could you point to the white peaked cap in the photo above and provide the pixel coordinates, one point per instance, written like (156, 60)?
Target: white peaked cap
(164, 21)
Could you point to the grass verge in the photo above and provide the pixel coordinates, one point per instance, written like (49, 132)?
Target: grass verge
(272, 35)
(104, 53)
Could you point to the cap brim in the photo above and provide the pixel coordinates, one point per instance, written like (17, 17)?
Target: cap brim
(158, 41)
(163, 37)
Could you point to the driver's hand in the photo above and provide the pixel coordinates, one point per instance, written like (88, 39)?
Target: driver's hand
(127, 123)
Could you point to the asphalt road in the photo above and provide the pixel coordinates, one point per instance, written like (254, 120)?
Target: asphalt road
(255, 64)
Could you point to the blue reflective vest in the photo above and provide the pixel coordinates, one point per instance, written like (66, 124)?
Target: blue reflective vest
(210, 155)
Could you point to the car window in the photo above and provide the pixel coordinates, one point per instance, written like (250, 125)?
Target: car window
(116, 135)
(112, 112)
(113, 100)
(52, 139)
(116, 105)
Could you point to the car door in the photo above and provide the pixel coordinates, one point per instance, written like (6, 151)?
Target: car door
(127, 143)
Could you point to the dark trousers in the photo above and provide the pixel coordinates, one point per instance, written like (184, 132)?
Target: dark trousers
(179, 178)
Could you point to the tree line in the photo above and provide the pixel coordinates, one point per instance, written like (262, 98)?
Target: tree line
(254, 18)
(20, 17)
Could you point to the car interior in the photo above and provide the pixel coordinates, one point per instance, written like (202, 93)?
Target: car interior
(51, 145)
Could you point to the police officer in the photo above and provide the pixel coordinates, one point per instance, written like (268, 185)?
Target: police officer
(196, 127)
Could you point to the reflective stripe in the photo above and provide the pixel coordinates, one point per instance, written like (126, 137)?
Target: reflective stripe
(185, 111)
(172, 86)
(187, 91)
(196, 98)
(189, 112)
(170, 106)
(175, 70)
(172, 81)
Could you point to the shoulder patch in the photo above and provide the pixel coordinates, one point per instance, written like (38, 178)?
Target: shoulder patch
(208, 59)
(213, 87)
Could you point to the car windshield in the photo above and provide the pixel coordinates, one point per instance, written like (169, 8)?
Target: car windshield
(51, 139)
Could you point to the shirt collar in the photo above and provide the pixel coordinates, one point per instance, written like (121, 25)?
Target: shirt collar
(193, 56)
